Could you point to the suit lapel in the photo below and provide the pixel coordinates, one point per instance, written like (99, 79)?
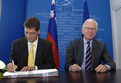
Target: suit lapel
(81, 51)
(25, 51)
(94, 51)
(39, 51)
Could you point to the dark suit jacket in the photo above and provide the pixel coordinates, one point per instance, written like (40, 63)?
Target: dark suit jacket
(75, 54)
(44, 55)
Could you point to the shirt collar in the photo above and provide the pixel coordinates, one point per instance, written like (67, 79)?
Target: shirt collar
(85, 41)
(35, 42)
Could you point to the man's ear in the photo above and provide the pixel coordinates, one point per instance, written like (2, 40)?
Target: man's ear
(38, 31)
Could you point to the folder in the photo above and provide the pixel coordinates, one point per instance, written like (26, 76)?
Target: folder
(34, 73)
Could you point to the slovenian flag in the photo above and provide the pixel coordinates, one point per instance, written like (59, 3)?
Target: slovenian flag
(52, 34)
(85, 12)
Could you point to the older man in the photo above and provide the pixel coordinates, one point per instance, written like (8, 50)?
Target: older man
(87, 53)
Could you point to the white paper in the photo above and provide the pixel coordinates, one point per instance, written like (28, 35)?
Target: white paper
(34, 73)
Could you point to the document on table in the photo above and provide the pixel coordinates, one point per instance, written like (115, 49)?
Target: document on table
(34, 73)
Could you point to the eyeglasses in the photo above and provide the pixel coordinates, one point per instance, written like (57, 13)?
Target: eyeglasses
(88, 28)
(31, 33)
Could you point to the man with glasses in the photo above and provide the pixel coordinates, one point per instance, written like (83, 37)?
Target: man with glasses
(31, 52)
(87, 53)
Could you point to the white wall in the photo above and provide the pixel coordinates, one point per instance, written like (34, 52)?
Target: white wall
(115, 6)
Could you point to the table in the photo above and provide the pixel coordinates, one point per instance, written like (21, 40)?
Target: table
(73, 77)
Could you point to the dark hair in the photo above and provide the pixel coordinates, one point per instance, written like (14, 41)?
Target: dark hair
(32, 22)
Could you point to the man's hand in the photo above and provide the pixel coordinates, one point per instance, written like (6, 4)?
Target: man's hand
(28, 68)
(11, 67)
(75, 67)
(101, 68)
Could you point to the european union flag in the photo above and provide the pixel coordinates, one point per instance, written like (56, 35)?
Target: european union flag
(66, 9)
(86, 12)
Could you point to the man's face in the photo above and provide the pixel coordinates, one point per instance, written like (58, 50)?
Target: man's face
(89, 31)
(31, 34)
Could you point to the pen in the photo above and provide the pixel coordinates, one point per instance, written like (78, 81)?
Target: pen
(13, 64)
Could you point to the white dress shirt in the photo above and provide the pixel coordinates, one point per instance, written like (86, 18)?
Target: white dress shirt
(35, 49)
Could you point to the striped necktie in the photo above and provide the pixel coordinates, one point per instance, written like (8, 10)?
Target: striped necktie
(88, 61)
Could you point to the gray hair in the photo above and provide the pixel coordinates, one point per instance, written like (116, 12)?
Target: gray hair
(90, 20)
